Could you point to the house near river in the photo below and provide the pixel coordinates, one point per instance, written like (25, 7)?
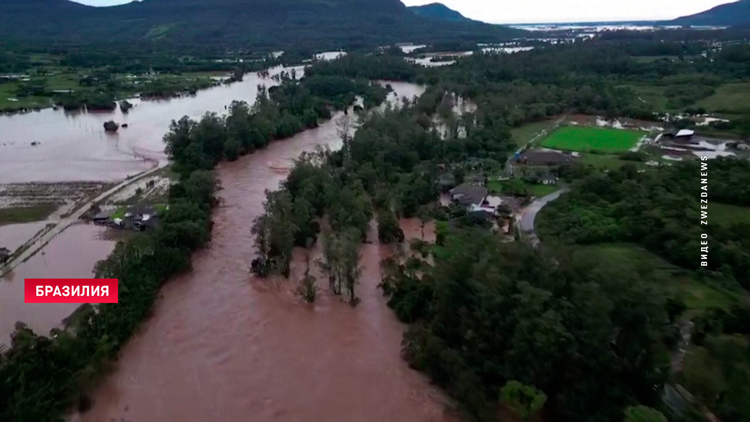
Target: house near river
(139, 217)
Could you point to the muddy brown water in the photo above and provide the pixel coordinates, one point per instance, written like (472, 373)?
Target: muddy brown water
(225, 346)
(74, 146)
(72, 254)
(13, 236)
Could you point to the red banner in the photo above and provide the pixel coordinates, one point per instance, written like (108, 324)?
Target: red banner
(70, 290)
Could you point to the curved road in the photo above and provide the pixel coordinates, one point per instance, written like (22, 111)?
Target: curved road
(528, 216)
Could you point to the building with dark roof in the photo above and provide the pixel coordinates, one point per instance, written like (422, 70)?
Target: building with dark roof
(545, 158)
(469, 195)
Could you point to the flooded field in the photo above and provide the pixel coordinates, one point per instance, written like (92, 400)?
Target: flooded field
(72, 254)
(75, 147)
(224, 346)
(13, 236)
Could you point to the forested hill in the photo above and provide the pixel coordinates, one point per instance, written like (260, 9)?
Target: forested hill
(250, 23)
(731, 14)
(439, 11)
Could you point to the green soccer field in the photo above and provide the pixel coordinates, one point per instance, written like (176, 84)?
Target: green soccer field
(573, 138)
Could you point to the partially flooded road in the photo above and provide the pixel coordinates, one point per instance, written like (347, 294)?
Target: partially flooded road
(225, 346)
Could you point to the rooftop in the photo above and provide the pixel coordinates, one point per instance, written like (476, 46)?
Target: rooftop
(468, 194)
(551, 157)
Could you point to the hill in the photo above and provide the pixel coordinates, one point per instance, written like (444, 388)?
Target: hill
(439, 11)
(731, 14)
(250, 23)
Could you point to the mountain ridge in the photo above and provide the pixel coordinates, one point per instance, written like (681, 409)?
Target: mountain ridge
(728, 14)
(256, 23)
(439, 11)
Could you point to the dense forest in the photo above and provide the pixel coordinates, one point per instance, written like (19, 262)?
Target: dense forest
(661, 211)
(262, 24)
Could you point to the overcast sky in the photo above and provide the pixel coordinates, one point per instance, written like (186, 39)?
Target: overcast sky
(544, 11)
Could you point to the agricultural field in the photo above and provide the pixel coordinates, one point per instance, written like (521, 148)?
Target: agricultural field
(26, 214)
(573, 138)
(729, 99)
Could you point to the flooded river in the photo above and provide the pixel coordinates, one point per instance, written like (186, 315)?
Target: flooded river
(75, 147)
(72, 254)
(224, 346)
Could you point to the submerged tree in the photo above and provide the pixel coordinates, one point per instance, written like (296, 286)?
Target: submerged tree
(329, 262)
(274, 234)
(349, 258)
(308, 289)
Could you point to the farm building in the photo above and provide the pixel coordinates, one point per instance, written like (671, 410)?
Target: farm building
(682, 134)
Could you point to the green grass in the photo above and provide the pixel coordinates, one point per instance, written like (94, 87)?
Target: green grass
(697, 295)
(120, 213)
(726, 215)
(536, 190)
(574, 138)
(541, 190)
(728, 99)
(651, 95)
(524, 134)
(19, 215)
(495, 186)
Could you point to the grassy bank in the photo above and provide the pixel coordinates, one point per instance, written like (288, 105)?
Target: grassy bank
(697, 295)
(17, 215)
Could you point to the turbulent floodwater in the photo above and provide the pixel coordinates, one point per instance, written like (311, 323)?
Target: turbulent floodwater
(224, 346)
(72, 254)
(74, 146)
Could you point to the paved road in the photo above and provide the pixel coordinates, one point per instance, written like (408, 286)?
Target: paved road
(529, 214)
(64, 223)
